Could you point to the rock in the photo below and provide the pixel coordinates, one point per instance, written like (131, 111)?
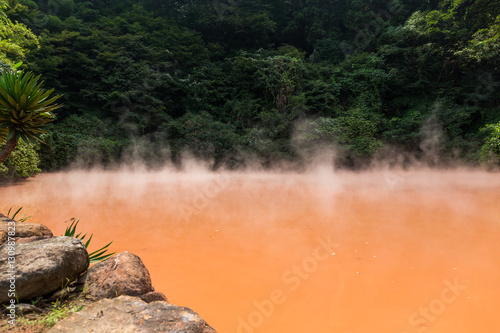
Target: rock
(41, 266)
(124, 274)
(23, 309)
(154, 296)
(62, 294)
(22, 229)
(126, 314)
(31, 239)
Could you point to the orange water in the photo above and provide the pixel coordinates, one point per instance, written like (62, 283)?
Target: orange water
(373, 252)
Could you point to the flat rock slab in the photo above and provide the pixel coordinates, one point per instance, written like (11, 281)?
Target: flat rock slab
(41, 266)
(21, 229)
(126, 314)
(123, 274)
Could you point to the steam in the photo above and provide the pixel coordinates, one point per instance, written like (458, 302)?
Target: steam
(432, 138)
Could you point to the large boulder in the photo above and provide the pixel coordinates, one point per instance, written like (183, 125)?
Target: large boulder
(123, 274)
(41, 266)
(126, 314)
(22, 230)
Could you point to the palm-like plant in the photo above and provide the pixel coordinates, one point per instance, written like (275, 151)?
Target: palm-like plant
(25, 109)
(94, 257)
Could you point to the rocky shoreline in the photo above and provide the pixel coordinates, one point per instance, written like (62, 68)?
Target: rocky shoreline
(38, 270)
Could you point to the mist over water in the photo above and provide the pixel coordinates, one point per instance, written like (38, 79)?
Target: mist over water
(385, 251)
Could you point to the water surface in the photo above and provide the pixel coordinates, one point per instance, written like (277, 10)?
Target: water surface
(372, 252)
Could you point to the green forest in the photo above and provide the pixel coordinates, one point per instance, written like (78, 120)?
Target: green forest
(235, 82)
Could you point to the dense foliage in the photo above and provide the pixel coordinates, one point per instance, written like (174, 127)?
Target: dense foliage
(15, 38)
(22, 162)
(231, 80)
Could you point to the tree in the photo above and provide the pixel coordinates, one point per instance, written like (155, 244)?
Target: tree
(485, 46)
(15, 38)
(25, 109)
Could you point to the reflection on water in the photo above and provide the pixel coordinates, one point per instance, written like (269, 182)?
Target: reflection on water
(387, 251)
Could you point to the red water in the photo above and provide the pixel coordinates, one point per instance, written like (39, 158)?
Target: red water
(373, 252)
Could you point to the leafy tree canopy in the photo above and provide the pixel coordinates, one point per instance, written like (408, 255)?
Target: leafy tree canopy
(366, 74)
(15, 38)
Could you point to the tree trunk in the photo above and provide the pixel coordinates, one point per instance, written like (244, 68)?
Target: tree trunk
(9, 147)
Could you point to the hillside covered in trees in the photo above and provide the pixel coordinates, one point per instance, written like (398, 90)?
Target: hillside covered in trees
(270, 81)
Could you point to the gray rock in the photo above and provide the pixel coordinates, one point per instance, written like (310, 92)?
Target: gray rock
(126, 314)
(124, 274)
(41, 267)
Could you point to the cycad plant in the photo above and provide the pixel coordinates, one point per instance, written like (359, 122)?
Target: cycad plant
(23, 218)
(26, 109)
(96, 256)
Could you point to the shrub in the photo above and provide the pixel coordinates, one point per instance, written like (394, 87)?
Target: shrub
(22, 162)
(203, 136)
(490, 151)
(93, 140)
